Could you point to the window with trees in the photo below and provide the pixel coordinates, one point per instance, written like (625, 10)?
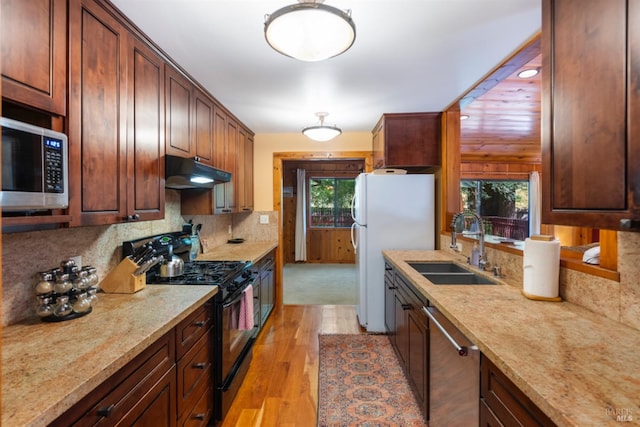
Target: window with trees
(503, 206)
(330, 202)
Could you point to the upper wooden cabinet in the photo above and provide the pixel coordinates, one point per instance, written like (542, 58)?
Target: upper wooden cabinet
(115, 119)
(203, 126)
(179, 108)
(591, 102)
(34, 53)
(407, 140)
(245, 171)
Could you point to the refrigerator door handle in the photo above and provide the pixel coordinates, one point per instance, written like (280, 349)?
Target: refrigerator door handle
(354, 241)
(353, 207)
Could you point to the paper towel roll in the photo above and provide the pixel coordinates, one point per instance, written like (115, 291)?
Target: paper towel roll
(541, 267)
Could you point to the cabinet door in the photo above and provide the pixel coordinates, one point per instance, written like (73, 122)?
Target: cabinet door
(402, 328)
(588, 147)
(157, 406)
(248, 172)
(97, 115)
(389, 303)
(203, 126)
(178, 114)
(418, 352)
(224, 194)
(267, 290)
(146, 148)
(34, 47)
(219, 137)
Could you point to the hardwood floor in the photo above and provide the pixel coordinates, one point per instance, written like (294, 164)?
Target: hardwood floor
(281, 386)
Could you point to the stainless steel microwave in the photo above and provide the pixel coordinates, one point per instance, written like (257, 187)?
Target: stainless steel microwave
(35, 171)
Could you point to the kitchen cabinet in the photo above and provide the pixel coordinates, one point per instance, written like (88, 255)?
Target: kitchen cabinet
(194, 358)
(407, 140)
(411, 341)
(502, 403)
(389, 302)
(141, 393)
(116, 110)
(189, 113)
(245, 170)
(591, 138)
(267, 288)
(170, 383)
(34, 53)
(224, 198)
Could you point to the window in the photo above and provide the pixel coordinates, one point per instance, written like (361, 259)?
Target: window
(330, 202)
(502, 205)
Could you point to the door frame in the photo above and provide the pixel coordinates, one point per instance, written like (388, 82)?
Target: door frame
(278, 158)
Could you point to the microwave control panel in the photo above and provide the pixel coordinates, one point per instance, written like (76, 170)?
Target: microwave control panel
(53, 165)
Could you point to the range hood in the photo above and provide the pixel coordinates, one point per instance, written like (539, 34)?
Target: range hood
(182, 173)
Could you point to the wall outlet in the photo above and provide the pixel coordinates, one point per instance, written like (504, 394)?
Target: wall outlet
(77, 259)
(264, 219)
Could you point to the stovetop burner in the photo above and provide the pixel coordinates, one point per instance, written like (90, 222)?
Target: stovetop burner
(203, 273)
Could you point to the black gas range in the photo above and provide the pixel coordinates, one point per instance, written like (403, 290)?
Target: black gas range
(233, 338)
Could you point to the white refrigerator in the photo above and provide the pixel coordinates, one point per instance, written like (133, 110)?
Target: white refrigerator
(390, 211)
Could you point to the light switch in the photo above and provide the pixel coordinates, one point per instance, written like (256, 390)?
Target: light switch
(264, 219)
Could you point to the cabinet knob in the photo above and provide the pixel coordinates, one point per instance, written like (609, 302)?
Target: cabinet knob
(105, 411)
(134, 217)
(198, 417)
(200, 365)
(200, 323)
(629, 224)
(406, 306)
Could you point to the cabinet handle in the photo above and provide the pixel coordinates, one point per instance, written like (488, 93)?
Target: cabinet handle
(629, 224)
(200, 323)
(388, 268)
(198, 417)
(406, 306)
(392, 287)
(105, 411)
(134, 217)
(200, 365)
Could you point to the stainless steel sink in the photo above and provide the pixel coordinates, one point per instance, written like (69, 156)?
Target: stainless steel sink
(449, 273)
(438, 267)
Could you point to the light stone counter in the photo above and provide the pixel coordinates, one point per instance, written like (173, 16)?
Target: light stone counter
(247, 251)
(579, 367)
(48, 367)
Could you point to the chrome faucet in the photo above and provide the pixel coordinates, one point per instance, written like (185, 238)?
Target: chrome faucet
(457, 226)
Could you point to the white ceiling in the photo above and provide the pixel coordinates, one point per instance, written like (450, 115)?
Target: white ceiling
(409, 55)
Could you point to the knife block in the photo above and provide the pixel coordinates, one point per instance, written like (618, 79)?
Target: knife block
(121, 279)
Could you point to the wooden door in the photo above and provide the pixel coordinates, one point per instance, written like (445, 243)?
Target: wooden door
(585, 141)
(97, 115)
(146, 148)
(34, 53)
(178, 114)
(203, 127)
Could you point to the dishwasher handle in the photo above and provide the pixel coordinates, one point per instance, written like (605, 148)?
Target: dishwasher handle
(462, 350)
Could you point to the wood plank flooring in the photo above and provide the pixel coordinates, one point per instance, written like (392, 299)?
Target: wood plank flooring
(281, 386)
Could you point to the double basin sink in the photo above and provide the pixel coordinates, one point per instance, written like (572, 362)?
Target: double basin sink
(449, 273)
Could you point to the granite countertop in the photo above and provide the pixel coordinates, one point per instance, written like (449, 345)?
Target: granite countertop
(579, 367)
(246, 251)
(48, 367)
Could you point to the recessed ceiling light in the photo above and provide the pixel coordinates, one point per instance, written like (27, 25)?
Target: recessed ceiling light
(528, 73)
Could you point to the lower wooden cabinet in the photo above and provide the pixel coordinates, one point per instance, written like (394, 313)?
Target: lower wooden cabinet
(411, 339)
(168, 384)
(141, 393)
(267, 289)
(502, 403)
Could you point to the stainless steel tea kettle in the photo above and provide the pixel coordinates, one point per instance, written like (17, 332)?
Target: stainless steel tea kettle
(172, 266)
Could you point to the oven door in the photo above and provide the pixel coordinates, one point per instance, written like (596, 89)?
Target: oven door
(238, 330)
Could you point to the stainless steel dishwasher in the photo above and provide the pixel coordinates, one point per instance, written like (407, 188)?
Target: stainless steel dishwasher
(454, 374)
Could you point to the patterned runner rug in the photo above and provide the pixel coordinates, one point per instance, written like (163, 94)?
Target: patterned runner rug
(361, 383)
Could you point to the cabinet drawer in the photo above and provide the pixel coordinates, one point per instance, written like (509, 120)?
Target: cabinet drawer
(506, 401)
(124, 391)
(192, 328)
(202, 411)
(194, 369)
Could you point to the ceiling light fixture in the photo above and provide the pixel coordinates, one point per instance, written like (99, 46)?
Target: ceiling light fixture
(528, 73)
(464, 117)
(321, 132)
(310, 31)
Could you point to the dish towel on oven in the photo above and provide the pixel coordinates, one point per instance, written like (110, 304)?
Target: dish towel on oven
(245, 323)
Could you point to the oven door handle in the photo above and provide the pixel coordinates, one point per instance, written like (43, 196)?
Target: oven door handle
(240, 295)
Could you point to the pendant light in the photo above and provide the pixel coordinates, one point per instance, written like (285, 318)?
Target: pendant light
(321, 132)
(310, 31)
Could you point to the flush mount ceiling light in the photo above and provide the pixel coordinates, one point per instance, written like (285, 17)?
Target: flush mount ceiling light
(321, 132)
(310, 31)
(528, 73)
(464, 117)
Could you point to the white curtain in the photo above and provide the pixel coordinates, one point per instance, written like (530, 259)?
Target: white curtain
(301, 217)
(535, 207)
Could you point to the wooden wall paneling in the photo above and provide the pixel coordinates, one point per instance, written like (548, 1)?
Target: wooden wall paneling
(450, 172)
(330, 246)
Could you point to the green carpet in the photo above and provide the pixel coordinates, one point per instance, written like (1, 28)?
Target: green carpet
(324, 284)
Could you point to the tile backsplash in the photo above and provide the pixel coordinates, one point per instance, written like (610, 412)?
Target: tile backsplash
(25, 254)
(619, 301)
